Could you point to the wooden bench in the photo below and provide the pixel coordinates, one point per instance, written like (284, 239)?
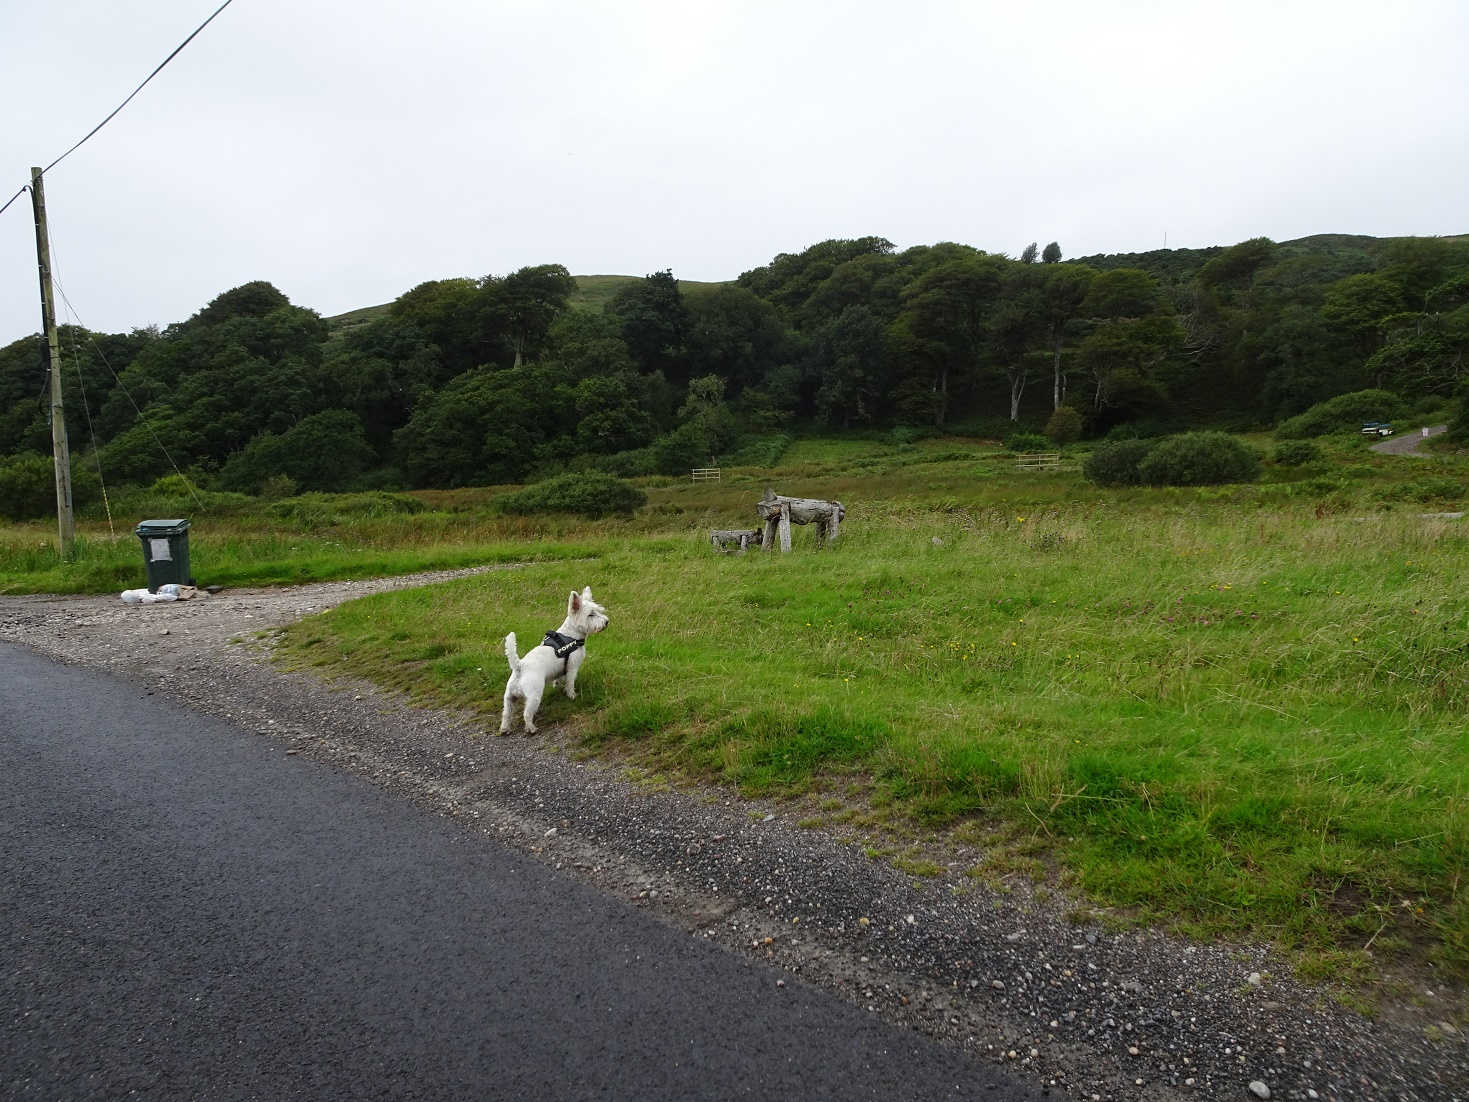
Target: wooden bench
(779, 513)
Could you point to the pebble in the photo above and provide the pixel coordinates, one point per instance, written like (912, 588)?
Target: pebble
(1259, 1089)
(1255, 980)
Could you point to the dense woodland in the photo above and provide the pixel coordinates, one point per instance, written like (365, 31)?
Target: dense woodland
(494, 380)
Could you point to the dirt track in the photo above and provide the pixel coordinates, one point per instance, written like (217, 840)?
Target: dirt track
(1088, 1012)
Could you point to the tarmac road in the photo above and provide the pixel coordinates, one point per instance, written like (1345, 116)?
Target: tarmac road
(187, 913)
(1407, 443)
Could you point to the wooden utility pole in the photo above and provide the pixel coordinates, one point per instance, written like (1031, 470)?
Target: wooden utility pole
(65, 524)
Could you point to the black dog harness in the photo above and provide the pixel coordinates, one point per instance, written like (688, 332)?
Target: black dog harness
(563, 646)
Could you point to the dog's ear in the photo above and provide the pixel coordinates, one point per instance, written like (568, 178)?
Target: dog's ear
(586, 594)
(574, 605)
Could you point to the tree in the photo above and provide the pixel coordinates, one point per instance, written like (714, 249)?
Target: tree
(735, 334)
(1236, 266)
(947, 313)
(1017, 324)
(380, 371)
(1419, 264)
(528, 301)
(1357, 305)
(1028, 256)
(326, 451)
(484, 427)
(1123, 355)
(655, 324)
(1134, 334)
(27, 486)
(454, 315)
(708, 427)
(249, 300)
(790, 279)
(1422, 354)
(612, 413)
(1051, 254)
(849, 358)
(1302, 361)
(1122, 293)
(1063, 292)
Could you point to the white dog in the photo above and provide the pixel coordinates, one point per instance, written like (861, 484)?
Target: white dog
(558, 658)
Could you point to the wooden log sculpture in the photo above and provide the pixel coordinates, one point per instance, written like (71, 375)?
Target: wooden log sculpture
(735, 539)
(779, 513)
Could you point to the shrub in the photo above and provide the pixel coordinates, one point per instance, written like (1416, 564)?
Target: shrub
(1345, 412)
(1117, 463)
(1147, 429)
(27, 487)
(1458, 430)
(1448, 491)
(590, 494)
(1027, 442)
(1199, 459)
(325, 451)
(1064, 427)
(311, 511)
(763, 451)
(278, 486)
(1293, 453)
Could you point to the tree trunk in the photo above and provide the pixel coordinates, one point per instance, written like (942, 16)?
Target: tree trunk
(1017, 388)
(1058, 380)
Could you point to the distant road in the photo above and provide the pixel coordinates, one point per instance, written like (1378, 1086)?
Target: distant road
(1408, 442)
(186, 913)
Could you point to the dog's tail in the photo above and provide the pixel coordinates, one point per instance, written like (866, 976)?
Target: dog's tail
(512, 654)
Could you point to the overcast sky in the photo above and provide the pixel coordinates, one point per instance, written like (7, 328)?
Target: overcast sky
(347, 150)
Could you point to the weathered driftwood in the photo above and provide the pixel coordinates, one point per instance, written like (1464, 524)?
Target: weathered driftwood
(732, 539)
(779, 513)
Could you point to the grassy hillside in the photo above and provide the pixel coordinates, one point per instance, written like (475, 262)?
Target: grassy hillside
(593, 292)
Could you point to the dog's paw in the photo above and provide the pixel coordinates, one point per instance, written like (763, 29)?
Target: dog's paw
(570, 694)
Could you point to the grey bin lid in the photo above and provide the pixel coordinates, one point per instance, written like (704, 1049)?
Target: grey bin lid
(162, 527)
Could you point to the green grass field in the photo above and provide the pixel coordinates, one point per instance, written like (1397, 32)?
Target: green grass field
(1234, 711)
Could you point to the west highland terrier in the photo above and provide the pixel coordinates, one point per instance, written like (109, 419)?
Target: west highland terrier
(557, 658)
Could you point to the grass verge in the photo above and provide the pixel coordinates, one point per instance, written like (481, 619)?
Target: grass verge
(1235, 721)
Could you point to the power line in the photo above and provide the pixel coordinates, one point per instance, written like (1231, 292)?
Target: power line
(13, 198)
(124, 103)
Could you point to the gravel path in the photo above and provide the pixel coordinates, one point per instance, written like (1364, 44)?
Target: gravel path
(1409, 442)
(1085, 1012)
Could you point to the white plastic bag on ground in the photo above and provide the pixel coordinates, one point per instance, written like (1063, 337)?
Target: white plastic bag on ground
(143, 597)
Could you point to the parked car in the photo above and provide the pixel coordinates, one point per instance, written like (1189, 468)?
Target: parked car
(1377, 428)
